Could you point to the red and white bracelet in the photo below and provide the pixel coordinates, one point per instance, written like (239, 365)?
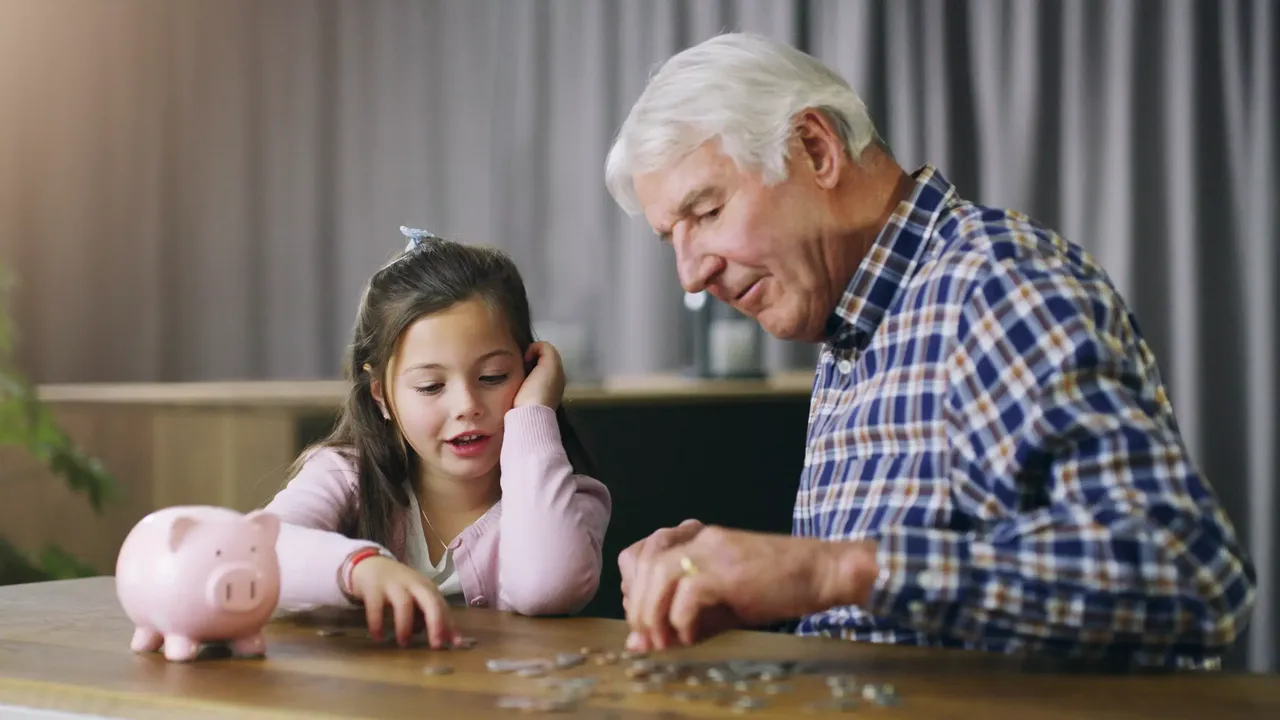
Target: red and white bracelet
(349, 565)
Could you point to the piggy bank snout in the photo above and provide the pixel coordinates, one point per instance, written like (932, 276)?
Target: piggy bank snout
(238, 588)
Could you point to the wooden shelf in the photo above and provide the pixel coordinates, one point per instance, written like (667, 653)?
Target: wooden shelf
(322, 394)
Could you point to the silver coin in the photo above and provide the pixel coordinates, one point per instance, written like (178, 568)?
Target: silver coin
(567, 660)
(437, 670)
(885, 696)
(509, 665)
(331, 632)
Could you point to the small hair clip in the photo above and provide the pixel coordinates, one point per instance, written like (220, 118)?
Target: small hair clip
(416, 237)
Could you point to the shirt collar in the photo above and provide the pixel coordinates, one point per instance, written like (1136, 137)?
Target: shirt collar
(890, 262)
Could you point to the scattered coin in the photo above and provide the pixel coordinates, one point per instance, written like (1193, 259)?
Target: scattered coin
(506, 665)
(587, 650)
(531, 672)
(568, 660)
(633, 654)
(608, 658)
(437, 670)
(330, 632)
(883, 695)
(773, 688)
(746, 703)
(464, 643)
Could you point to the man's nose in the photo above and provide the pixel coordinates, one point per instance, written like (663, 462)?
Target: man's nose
(697, 269)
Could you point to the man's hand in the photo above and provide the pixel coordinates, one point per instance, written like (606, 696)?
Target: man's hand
(707, 580)
(643, 551)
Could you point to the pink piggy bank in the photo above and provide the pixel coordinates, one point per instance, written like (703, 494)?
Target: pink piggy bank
(194, 574)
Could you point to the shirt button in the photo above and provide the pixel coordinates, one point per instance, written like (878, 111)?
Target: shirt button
(916, 607)
(845, 366)
(926, 580)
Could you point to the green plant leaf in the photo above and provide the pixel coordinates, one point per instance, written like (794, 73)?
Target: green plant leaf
(16, 567)
(25, 421)
(59, 564)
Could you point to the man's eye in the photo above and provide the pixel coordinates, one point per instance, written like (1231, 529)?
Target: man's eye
(494, 379)
(709, 215)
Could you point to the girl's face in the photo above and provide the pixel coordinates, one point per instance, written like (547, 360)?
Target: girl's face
(451, 380)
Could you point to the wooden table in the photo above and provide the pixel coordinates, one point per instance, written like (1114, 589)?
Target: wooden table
(64, 647)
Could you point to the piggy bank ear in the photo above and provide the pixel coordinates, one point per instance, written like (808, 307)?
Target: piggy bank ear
(267, 523)
(178, 530)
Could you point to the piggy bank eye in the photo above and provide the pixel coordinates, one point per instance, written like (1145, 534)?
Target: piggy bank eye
(218, 553)
(253, 548)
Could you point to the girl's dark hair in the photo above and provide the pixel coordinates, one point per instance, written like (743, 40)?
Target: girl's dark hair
(431, 276)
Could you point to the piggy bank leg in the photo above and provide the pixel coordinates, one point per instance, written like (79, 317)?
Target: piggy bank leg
(179, 648)
(250, 646)
(145, 640)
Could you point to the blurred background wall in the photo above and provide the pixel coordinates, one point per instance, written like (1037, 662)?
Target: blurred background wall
(197, 189)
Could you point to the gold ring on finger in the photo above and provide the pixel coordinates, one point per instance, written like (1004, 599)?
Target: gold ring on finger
(686, 564)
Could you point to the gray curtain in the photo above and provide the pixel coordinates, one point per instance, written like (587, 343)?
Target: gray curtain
(197, 189)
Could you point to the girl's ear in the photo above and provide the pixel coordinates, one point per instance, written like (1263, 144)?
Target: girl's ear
(375, 388)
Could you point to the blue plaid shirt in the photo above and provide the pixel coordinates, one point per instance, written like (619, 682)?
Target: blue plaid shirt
(987, 411)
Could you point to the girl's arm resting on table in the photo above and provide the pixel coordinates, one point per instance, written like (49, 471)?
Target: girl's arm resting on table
(553, 521)
(311, 550)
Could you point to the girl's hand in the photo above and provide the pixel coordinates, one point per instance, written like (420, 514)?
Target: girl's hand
(381, 581)
(545, 383)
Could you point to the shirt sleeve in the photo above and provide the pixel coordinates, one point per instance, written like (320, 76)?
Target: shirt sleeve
(553, 522)
(1095, 535)
(311, 550)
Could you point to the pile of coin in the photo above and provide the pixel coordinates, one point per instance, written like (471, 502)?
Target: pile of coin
(741, 685)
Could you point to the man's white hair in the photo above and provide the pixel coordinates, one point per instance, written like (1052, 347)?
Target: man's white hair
(742, 89)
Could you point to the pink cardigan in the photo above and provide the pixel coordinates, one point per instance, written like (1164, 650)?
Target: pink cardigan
(536, 552)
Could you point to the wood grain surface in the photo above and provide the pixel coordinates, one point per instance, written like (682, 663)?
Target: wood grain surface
(64, 647)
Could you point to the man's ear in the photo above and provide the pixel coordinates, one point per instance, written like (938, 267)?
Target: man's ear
(823, 150)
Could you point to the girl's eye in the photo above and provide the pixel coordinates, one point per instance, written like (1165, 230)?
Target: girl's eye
(494, 379)
(431, 389)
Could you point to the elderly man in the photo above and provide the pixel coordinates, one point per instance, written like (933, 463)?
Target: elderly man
(992, 459)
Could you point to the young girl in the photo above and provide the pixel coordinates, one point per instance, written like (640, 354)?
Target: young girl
(452, 475)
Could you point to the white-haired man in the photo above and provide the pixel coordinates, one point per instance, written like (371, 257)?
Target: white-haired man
(992, 460)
